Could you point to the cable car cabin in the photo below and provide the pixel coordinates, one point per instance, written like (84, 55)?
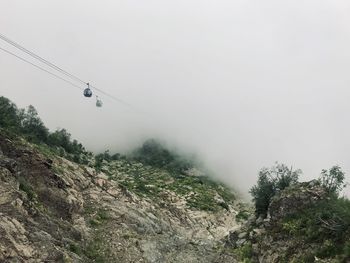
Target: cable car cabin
(99, 103)
(87, 92)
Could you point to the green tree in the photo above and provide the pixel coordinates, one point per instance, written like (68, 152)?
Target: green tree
(333, 180)
(9, 115)
(62, 139)
(27, 123)
(269, 182)
(32, 125)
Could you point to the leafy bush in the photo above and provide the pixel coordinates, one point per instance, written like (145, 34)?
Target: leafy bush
(73, 247)
(269, 182)
(242, 215)
(333, 180)
(27, 188)
(96, 250)
(245, 253)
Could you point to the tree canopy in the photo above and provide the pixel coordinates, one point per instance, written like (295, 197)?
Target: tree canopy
(269, 182)
(27, 123)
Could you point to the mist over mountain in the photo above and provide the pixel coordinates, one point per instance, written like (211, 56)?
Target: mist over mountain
(61, 203)
(242, 84)
(174, 131)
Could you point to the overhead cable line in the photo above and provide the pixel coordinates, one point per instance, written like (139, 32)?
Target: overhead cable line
(48, 63)
(13, 43)
(49, 72)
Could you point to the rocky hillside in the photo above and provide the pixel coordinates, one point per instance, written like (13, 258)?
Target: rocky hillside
(60, 203)
(304, 224)
(55, 210)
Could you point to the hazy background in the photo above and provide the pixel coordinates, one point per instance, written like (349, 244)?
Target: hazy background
(242, 83)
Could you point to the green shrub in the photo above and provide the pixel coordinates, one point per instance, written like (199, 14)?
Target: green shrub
(95, 251)
(203, 201)
(242, 215)
(73, 247)
(27, 188)
(292, 226)
(94, 222)
(245, 253)
(346, 252)
(102, 215)
(269, 182)
(326, 223)
(333, 180)
(328, 249)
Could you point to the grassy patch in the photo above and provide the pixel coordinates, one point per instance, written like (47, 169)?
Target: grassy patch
(242, 215)
(27, 188)
(96, 251)
(245, 253)
(98, 217)
(102, 215)
(201, 193)
(94, 222)
(57, 169)
(203, 201)
(326, 224)
(73, 247)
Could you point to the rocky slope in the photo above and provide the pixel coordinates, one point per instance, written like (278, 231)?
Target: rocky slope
(304, 224)
(54, 210)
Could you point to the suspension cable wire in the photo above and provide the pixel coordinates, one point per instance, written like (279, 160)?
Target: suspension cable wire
(48, 63)
(49, 72)
(13, 43)
(112, 97)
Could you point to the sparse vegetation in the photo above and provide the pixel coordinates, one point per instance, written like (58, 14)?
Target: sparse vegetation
(95, 250)
(242, 215)
(76, 249)
(245, 253)
(327, 224)
(152, 170)
(98, 216)
(27, 188)
(154, 153)
(200, 192)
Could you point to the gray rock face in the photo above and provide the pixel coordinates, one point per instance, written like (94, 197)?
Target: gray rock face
(53, 210)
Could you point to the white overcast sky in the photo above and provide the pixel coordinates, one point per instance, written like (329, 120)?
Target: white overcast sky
(242, 83)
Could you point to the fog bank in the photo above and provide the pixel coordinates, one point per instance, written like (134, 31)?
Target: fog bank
(241, 83)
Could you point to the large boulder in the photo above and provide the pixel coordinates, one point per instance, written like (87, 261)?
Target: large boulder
(295, 198)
